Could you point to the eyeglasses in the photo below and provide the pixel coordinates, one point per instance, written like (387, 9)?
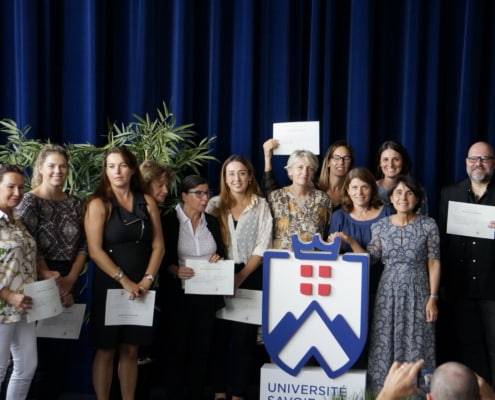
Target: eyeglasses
(199, 193)
(337, 158)
(483, 159)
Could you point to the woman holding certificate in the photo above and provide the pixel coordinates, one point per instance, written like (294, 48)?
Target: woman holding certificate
(246, 225)
(55, 219)
(299, 209)
(125, 241)
(17, 268)
(191, 233)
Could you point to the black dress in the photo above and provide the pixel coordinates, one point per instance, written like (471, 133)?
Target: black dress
(127, 240)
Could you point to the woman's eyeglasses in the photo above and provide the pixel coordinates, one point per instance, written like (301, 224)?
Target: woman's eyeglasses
(337, 158)
(199, 193)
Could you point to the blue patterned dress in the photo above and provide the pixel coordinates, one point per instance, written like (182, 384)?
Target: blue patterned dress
(399, 330)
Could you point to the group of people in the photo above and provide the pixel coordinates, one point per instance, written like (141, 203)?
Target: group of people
(386, 216)
(48, 233)
(41, 237)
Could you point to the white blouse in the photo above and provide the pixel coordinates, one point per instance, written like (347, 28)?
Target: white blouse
(199, 244)
(253, 233)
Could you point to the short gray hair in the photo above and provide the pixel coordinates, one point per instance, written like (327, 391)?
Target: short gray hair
(305, 154)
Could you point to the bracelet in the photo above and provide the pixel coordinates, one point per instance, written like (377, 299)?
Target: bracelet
(119, 275)
(434, 296)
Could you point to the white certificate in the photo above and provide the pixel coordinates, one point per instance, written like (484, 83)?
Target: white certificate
(122, 311)
(245, 306)
(46, 299)
(210, 278)
(66, 325)
(467, 219)
(304, 135)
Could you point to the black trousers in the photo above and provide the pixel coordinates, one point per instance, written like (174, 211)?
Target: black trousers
(53, 355)
(53, 363)
(474, 325)
(191, 323)
(234, 350)
(235, 346)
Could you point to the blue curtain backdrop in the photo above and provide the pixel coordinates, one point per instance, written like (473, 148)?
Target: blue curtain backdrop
(418, 71)
(421, 72)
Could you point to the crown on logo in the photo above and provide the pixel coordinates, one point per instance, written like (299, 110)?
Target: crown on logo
(316, 249)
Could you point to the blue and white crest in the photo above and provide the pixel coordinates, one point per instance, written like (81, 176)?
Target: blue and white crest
(315, 304)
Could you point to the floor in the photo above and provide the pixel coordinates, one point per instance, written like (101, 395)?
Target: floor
(158, 393)
(153, 389)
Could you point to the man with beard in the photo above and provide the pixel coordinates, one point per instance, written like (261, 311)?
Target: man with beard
(470, 269)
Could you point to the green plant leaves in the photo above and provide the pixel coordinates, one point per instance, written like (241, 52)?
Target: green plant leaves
(157, 139)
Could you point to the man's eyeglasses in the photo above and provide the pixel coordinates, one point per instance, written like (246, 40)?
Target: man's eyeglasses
(199, 193)
(483, 159)
(337, 158)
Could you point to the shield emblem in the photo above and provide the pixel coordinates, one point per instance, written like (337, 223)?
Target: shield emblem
(315, 304)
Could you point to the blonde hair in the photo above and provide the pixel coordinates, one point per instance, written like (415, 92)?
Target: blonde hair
(302, 154)
(45, 151)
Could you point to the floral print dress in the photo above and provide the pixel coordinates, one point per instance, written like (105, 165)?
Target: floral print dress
(305, 218)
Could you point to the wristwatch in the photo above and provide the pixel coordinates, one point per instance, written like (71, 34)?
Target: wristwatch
(150, 277)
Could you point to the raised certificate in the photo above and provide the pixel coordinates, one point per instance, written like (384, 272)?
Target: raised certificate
(304, 135)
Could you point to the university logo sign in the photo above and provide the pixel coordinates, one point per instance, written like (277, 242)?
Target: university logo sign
(315, 304)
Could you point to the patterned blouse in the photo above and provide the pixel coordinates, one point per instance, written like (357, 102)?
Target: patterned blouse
(253, 233)
(306, 218)
(17, 263)
(57, 226)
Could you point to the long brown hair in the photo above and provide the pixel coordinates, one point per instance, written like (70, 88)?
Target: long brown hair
(104, 189)
(324, 179)
(227, 201)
